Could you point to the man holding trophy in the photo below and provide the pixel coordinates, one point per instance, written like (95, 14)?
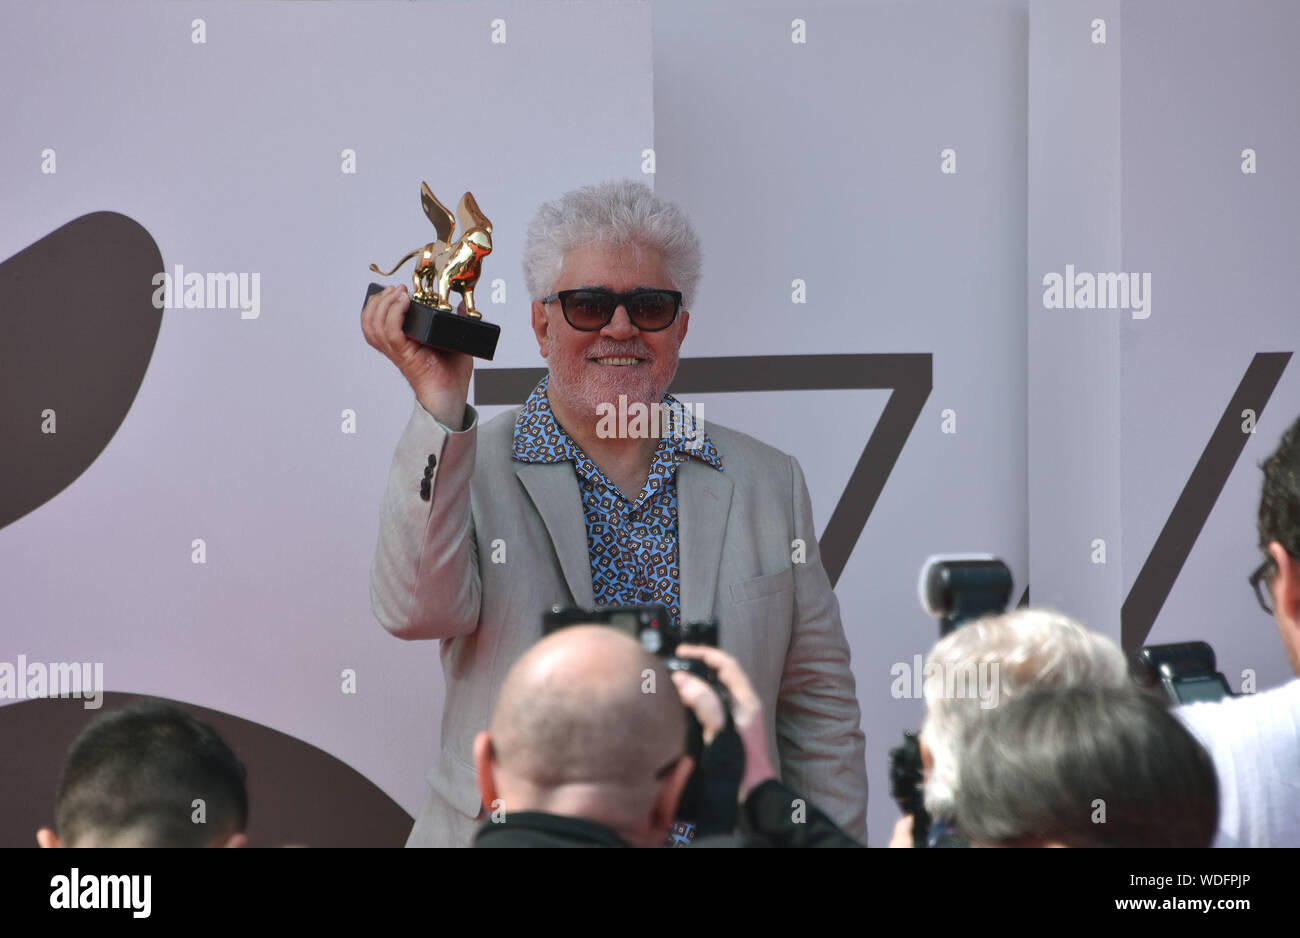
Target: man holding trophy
(485, 527)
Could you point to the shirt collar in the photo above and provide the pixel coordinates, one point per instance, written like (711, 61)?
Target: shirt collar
(538, 436)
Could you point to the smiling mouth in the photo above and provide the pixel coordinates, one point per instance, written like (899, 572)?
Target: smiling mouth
(617, 360)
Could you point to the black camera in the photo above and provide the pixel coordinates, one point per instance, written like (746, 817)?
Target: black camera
(905, 774)
(954, 589)
(651, 626)
(709, 802)
(1185, 671)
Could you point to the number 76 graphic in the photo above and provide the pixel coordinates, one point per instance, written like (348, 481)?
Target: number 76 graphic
(910, 377)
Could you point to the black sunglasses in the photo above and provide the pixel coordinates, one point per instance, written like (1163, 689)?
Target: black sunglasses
(591, 308)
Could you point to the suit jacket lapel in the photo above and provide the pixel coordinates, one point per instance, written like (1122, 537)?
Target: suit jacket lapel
(553, 487)
(703, 502)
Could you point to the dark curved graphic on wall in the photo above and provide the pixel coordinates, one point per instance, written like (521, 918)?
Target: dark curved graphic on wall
(298, 795)
(910, 376)
(77, 330)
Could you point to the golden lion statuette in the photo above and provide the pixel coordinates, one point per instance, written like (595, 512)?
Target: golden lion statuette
(444, 266)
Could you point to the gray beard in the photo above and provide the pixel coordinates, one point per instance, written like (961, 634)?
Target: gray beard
(585, 396)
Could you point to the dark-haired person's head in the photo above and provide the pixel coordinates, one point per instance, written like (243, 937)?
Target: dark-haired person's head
(1278, 579)
(1086, 767)
(149, 775)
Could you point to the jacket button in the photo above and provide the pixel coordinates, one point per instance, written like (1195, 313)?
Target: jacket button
(424, 490)
(433, 460)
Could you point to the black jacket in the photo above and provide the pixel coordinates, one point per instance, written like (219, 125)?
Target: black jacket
(777, 816)
(539, 829)
(773, 816)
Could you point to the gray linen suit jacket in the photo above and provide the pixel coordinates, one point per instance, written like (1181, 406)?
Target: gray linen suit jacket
(434, 576)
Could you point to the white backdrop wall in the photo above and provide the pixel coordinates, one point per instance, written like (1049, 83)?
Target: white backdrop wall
(230, 153)
(1162, 152)
(824, 161)
(903, 168)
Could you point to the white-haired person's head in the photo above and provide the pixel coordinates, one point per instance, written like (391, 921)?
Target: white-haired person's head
(1002, 657)
(612, 270)
(618, 213)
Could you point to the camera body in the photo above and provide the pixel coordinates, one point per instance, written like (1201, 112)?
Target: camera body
(652, 626)
(905, 774)
(1186, 671)
(954, 589)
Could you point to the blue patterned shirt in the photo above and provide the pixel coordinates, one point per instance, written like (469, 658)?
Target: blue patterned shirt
(632, 545)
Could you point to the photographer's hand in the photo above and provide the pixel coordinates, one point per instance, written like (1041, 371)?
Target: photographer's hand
(902, 832)
(746, 709)
(701, 700)
(440, 378)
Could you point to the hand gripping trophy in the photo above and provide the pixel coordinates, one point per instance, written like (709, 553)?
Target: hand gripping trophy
(444, 266)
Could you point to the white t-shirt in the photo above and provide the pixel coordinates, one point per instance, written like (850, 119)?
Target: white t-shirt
(1255, 743)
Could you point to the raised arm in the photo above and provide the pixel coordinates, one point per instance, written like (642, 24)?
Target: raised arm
(424, 581)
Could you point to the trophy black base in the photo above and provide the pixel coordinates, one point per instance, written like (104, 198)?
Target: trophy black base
(446, 330)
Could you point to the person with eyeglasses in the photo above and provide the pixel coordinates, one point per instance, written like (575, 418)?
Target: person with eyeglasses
(578, 499)
(1255, 739)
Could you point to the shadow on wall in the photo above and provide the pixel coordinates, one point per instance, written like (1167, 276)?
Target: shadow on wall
(298, 795)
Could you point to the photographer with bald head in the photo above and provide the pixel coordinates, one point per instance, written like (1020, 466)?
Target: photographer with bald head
(579, 753)
(587, 749)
